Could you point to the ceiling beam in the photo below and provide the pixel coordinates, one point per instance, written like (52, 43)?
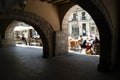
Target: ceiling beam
(56, 1)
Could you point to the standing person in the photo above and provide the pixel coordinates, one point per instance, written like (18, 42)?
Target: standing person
(24, 39)
(28, 40)
(96, 44)
(96, 40)
(83, 44)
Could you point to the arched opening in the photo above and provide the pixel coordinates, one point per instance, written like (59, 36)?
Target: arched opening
(102, 20)
(21, 34)
(40, 25)
(82, 28)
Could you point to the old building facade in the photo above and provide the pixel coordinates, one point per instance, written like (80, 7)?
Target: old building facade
(81, 24)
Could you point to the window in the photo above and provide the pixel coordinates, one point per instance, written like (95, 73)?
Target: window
(75, 32)
(83, 16)
(84, 29)
(74, 17)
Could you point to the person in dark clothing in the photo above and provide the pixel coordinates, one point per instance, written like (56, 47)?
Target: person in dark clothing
(83, 44)
(96, 45)
(24, 40)
(96, 41)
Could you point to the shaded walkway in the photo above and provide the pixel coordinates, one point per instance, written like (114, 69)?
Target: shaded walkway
(20, 63)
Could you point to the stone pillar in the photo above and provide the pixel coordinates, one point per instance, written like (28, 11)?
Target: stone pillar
(9, 38)
(61, 44)
(105, 62)
(62, 40)
(115, 54)
(30, 33)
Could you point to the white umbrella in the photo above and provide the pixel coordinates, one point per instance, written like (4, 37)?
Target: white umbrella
(20, 28)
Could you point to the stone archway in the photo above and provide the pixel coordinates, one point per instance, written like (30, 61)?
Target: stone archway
(40, 25)
(9, 35)
(102, 20)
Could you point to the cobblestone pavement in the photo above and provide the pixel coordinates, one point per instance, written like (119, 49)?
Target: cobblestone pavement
(26, 63)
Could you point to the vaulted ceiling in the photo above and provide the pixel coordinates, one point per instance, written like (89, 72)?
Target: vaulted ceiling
(4, 4)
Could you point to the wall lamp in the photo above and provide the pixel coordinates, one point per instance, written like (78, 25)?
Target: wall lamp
(22, 4)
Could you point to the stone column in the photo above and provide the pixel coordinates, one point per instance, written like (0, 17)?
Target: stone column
(61, 44)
